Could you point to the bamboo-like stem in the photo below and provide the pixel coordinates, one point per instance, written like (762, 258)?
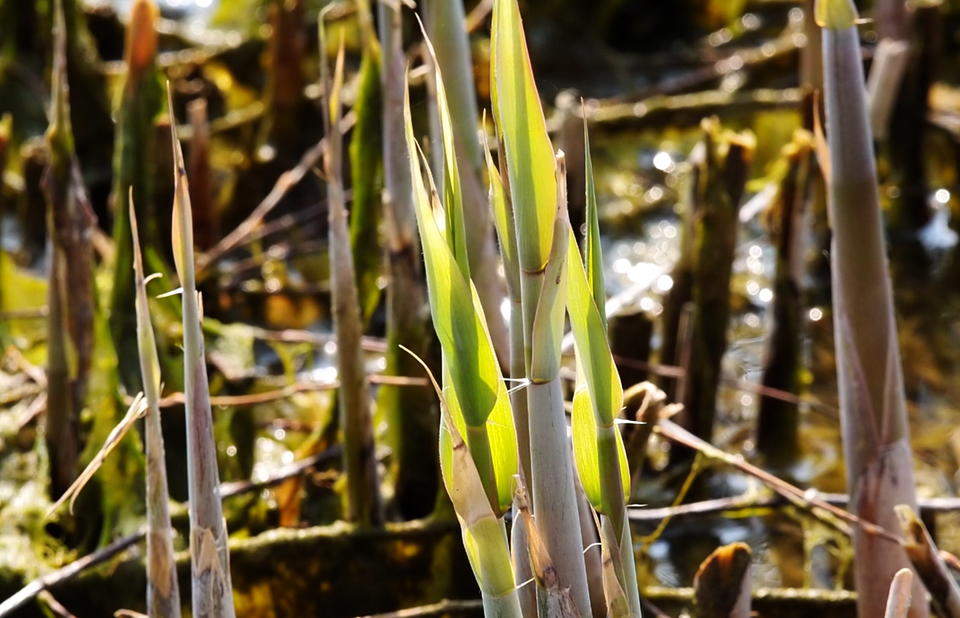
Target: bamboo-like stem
(353, 399)
(212, 593)
(552, 478)
(554, 494)
(163, 591)
(873, 415)
(541, 225)
(600, 392)
(484, 535)
(410, 413)
(503, 219)
(133, 164)
(446, 27)
(778, 421)
(70, 223)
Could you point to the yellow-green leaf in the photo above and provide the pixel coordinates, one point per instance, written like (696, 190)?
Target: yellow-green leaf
(503, 221)
(520, 121)
(586, 451)
(455, 227)
(474, 386)
(590, 337)
(593, 258)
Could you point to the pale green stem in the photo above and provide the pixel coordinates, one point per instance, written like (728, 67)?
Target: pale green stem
(554, 494)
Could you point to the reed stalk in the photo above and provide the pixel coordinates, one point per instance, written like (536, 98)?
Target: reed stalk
(202, 190)
(478, 447)
(484, 535)
(211, 590)
(362, 500)
(778, 420)
(70, 322)
(163, 591)
(366, 169)
(446, 25)
(410, 412)
(541, 225)
(503, 217)
(873, 415)
(597, 444)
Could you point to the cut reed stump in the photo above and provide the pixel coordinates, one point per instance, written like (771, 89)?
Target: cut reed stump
(702, 278)
(446, 27)
(778, 422)
(919, 24)
(721, 586)
(873, 415)
(70, 225)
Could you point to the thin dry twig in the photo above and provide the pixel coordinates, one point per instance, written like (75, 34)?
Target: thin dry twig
(806, 500)
(54, 605)
(288, 391)
(285, 182)
(441, 608)
(137, 409)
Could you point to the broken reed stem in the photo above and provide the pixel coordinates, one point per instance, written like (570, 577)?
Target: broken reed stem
(719, 174)
(70, 223)
(793, 494)
(410, 414)
(353, 399)
(876, 436)
(778, 420)
(163, 591)
(212, 592)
